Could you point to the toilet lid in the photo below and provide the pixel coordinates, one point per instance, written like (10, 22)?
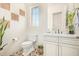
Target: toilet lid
(27, 42)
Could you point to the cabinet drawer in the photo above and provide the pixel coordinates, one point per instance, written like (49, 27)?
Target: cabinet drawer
(50, 38)
(72, 41)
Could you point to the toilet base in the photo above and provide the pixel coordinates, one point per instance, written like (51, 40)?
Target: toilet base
(27, 52)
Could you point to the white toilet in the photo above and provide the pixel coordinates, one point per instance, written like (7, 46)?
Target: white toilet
(26, 44)
(27, 47)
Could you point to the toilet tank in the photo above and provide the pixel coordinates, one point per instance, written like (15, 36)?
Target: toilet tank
(32, 37)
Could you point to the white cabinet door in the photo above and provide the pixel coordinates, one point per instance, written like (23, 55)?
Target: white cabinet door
(68, 50)
(50, 49)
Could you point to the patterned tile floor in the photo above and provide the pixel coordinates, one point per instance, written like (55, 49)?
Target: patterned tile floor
(36, 52)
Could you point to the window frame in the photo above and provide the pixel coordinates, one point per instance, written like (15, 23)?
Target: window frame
(32, 16)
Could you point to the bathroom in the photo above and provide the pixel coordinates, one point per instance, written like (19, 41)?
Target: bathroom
(35, 27)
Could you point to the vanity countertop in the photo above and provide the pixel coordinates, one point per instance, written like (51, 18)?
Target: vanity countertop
(61, 35)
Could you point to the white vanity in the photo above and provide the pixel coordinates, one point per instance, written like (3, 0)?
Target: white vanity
(61, 45)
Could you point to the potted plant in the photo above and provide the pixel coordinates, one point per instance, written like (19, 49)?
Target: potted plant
(71, 29)
(3, 26)
(40, 49)
(69, 20)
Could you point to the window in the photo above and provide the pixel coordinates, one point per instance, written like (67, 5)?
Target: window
(35, 16)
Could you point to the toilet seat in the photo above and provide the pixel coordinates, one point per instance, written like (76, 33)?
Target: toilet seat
(27, 47)
(27, 42)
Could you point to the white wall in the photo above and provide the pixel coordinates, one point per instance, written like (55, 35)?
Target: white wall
(43, 21)
(59, 7)
(43, 18)
(18, 29)
(54, 8)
